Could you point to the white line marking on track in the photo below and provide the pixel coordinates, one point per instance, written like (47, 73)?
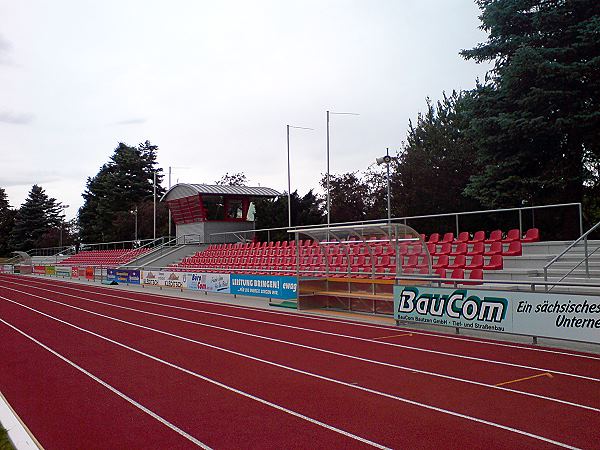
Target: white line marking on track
(314, 317)
(320, 377)
(358, 358)
(189, 372)
(111, 388)
(391, 344)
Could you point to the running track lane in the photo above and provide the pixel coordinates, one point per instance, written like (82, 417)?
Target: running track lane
(577, 362)
(222, 418)
(585, 392)
(576, 424)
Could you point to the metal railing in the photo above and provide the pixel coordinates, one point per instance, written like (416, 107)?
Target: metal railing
(456, 215)
(586, 257)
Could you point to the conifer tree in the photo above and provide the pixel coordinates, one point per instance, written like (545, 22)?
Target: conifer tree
(38, 215)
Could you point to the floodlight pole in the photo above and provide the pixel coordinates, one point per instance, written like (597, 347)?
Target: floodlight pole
(289, 180)
(389, 210)
(169, 208)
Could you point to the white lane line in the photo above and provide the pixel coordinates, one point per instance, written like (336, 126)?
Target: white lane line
(310, 374)
(317, 349)
(314, 317)
(182, 369)
(111, 388)
(371, 341)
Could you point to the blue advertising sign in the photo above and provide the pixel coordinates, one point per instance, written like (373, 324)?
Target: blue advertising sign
(123, 276)
(284, 288)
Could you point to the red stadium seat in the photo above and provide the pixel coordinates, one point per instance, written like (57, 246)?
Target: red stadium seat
(495, 249)
(495, 236)
(496, 263)
(461, 249)
(479, 236)
(476, 275)
(458, 263)
(442, 262)
(448, 237)
(434, 238)
(514, 249)
(463, 236)
(444, 249)
(532, 235)
(475, 263)
(512, 235)
(477, 249)
(457, 273)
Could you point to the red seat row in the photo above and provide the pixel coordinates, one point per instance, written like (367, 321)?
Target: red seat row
(531, 235)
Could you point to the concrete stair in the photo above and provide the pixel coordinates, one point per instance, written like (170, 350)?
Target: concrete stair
(529, 267)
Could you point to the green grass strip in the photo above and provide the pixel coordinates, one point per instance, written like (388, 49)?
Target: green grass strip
(5, 443)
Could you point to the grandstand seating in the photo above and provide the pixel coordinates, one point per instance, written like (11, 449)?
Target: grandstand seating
(115, 257)
(473, 255)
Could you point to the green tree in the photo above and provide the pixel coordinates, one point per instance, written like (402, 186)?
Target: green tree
(123, 184)
(436, 162)
(38, 216)
(235, 179)
(7, 222)
(536, 119)
(349, 196)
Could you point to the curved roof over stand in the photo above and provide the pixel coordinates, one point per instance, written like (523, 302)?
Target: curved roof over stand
(183, 190)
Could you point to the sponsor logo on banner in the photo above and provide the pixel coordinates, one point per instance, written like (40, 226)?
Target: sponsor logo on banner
(172, 279)
(210, 282)
(284, 288)
(123, 276)
(62, 271)
(6, 268)
(149, 278)
(89, 273)
(562, 316)
(50, 270)
(74, 272)
(39, 270)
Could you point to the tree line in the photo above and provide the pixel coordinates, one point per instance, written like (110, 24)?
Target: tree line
(528, 134)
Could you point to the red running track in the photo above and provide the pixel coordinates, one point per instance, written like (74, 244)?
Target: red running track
(180, 373)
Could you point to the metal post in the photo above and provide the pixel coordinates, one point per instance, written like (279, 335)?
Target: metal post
(457, 229)
(389, 210)
(328, 198)
(289, 182)
(169, 208)
(136, 223)
(520, 223)
(154, 195)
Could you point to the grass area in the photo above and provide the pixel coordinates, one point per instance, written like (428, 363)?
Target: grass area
(5, 443)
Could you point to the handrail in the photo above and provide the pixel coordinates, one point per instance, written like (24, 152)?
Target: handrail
(574, 268)
(573, 244)
(427, 216)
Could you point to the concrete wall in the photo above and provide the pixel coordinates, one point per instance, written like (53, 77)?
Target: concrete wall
(202, 231)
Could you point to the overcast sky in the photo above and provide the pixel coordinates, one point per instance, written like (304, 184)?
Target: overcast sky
(213, 84)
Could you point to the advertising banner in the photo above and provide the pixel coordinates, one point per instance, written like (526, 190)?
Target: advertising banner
(561, 316)
(62, 271)
(89, 273)
(210, 282)
(6, 268)
(39, 270)
(164, 279)
(25, 269)
(123, 276)
(50, 270)
(284, 288)
(74, 272)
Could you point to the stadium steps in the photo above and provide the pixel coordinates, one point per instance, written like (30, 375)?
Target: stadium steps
(165, 256)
